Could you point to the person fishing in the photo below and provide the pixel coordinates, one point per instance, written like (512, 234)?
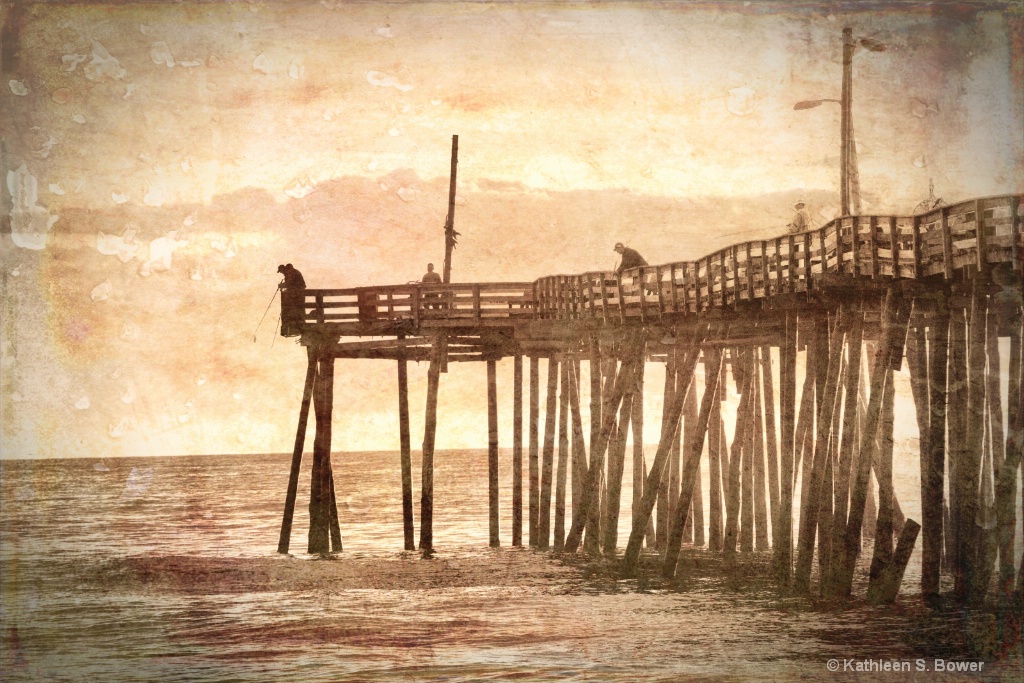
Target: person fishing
(293, 300)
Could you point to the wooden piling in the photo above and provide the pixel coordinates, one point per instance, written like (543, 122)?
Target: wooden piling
(889, 348)
(534, 449)
(768, 392)
(828, 366)
(933, 471)
(591, 490)
(747, 457)
(783, 530)
(974, 584)
(1006, 483)
(714, 468)
(406, 454)
(668, 431)
(637, 429)
(957, 407)
(692, 417)
(885, 589)
(429, 434)
(517, 450)
(492, 452)
(320, 500)
(563, 454)
(547, 466)
(757, 453)
(579, 448)
(671, 478)
(662, 503)
(300, 440)
(732, 497)
(882, 555)
(847, 448)
(616, 466)
(693, 448)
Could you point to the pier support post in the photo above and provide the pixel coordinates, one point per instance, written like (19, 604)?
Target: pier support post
(406, 453)
(492, 452)
(691, 467)
(578, 447)
(591, 490)
(669, 426)
(847, 449)
(617, 462)
(547, 467)
(768, 392)
(322, 508)
(889, 350)
(429, 433)
(783, 531)
(563, 453)
(300, 440)
(534, 449)
(732, 497)
(1006, 483)
(811, 505)
(517, 450)
(714, 466)
(760, 504)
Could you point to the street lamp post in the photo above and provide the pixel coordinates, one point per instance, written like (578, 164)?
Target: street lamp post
(847, 154)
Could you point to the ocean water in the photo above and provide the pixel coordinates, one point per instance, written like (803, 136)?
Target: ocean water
(165, 569)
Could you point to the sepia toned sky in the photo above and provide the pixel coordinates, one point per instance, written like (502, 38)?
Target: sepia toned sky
(161, 158)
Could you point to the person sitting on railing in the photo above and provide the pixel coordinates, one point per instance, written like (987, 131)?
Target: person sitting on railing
(631, 258)
(801, 219)
(431, 278)
(293, 300)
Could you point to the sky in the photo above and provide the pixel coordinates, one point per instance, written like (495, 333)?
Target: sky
(161, 158)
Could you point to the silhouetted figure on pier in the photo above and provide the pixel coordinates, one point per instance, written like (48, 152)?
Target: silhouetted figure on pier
(631, 258)
(293, 298)
(432, 278)
(801, 219)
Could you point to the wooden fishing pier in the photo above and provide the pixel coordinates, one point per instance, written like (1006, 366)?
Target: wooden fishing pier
(847, 303)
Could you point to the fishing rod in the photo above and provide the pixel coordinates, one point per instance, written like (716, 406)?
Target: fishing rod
(264, 316)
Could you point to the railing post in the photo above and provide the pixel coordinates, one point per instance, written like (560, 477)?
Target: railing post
(590, 295)
(661, 299)
(1015, 233)
(947, 243)
(320, 307)
(476, 301)
(643, 298)
(894, 239)
(824, 251)
(916, 247)
(749, 269)
(872, 222)
(807, 260)
(979, 232)
(604, 300)
(622, 298)
(855, 227)
(791, 271)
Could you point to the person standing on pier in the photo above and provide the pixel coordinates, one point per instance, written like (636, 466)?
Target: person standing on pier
(431, 278)
(801, 219)
(293, 299)
(631, 258)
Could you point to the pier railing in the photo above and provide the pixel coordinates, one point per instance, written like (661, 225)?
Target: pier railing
(970, 235)
(939, 242)
(418, 302)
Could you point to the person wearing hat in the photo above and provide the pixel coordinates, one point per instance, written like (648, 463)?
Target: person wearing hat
(293, 300)
(801, 219)
(631, 258)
